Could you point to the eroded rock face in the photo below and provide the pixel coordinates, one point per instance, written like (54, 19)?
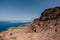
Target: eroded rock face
(51, 13)
(47, 27)
(49, 17)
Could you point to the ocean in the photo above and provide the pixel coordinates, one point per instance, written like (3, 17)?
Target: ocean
(4, 25)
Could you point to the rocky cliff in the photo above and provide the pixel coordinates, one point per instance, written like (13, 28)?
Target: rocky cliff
(46, 27)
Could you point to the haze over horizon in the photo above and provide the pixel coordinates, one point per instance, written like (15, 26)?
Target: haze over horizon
(24, 9)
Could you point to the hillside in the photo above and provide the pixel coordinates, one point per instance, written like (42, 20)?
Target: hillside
(46, 27)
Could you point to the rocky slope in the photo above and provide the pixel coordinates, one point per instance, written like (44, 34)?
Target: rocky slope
(46, 27)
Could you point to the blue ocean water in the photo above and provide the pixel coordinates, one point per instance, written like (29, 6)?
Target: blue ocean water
(5, 24)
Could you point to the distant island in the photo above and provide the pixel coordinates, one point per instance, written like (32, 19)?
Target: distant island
(4, 25)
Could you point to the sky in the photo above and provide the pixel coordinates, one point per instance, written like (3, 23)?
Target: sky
(24, 9)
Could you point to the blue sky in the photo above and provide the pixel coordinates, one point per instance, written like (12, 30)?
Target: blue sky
(24, 9)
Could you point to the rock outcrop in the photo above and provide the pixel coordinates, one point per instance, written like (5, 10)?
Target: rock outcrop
(49, 17)
(46, 27)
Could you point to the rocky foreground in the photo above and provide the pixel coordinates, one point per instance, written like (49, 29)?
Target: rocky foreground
(46, 27)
